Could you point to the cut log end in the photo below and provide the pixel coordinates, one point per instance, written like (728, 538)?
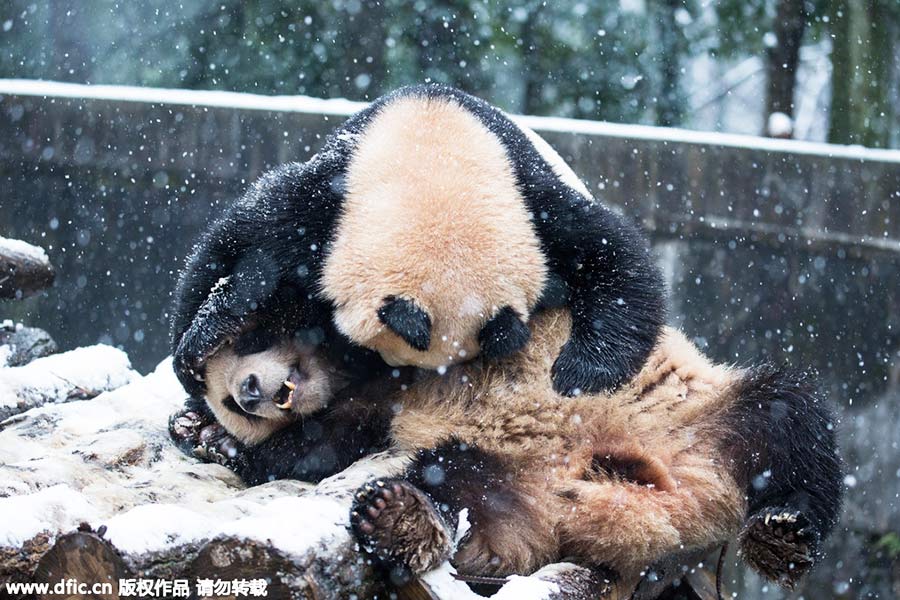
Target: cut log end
(84, 557)
(229, 558)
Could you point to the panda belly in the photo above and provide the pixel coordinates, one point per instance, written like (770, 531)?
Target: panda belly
(619, 480)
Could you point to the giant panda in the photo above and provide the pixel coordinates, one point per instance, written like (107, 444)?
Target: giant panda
(429, 169)
(683, 457)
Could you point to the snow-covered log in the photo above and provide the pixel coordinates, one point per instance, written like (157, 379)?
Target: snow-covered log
(24, 269)
(19, 345)
(75, 375)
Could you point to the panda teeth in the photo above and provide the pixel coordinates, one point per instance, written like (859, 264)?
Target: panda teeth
(287, 404)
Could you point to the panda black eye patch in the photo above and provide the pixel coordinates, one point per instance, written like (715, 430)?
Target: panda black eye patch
(407, 320)
(232, 406)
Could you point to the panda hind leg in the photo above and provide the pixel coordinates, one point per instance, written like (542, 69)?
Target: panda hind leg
(792, 470)
(399, 525)
(780, 543)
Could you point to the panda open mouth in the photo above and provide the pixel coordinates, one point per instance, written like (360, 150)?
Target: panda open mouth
(284, 399)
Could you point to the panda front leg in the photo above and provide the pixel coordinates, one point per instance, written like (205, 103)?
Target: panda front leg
(197, 433)
(616, 295)
(786, 439)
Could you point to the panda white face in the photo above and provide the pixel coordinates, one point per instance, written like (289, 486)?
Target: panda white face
(255, 394)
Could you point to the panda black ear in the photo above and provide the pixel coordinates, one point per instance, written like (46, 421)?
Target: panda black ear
(407, 320)
(503, 334)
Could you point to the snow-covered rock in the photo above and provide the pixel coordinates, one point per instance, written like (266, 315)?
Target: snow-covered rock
(81, 373)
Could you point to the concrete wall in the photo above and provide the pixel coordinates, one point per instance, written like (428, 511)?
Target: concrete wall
(773, 249)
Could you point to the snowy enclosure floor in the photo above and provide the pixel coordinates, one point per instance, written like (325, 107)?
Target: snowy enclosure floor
(108, 461)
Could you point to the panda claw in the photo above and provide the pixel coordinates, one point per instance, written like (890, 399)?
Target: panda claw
(366, 527)
(780, 544)
(398, 524)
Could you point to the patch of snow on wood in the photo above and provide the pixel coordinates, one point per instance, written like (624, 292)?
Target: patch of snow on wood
(9, 247)
(56, 508)
(526, 588)
(443, 585)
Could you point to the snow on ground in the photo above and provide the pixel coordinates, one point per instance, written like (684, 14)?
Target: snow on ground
(59, 377)
(109, 461)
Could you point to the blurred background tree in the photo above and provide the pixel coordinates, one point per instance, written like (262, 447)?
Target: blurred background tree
(831, 66)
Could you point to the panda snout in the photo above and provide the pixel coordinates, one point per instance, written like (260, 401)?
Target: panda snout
(251, 394)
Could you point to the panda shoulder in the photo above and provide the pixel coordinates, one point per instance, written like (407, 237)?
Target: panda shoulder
(559, 166)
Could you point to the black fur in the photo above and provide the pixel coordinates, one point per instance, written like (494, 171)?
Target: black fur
(279, 234)
(456, 475)
(783, 442)
(407, 320)
(504, 334)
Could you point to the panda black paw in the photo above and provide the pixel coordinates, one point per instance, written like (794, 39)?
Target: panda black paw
(781, 544)
(185, 427)
(199, 435)
(396, 523)
(576, 371)
(505, 333)
(216, 445)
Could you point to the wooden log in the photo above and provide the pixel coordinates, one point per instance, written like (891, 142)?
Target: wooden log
(24, 269)
(331, 573)
(82, 557)
(18, 564)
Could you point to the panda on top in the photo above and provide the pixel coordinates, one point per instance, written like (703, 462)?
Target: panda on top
(429, 170)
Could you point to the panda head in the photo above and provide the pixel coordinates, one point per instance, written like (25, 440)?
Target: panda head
(256, 389)
(435, 258)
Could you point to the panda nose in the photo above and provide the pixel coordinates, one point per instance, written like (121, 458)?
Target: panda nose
(250, 393)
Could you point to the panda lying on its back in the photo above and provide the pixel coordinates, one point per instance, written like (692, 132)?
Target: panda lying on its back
(425, 171)
(683, 457)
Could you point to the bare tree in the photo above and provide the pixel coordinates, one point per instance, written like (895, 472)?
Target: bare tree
(783, 57)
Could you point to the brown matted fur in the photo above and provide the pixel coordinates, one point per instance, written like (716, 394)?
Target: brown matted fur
(623, 480)
(457, 202)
